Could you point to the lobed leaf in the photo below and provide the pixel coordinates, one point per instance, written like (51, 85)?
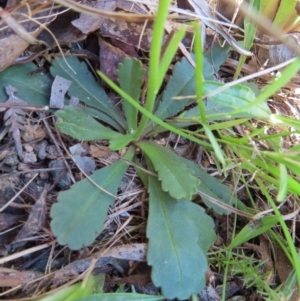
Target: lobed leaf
(79, 214)
(180, 233)
(172, 171)
(131, 77)
(85, 87)
(83, 127)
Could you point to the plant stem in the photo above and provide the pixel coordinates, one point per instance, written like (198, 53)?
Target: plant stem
(155, 51)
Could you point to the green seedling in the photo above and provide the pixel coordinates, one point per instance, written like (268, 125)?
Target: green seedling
(179, 231)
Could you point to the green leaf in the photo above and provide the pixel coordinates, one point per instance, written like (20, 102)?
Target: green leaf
(95, 113)
(34, 89)
(176, 178)
(131, 77)
(213, 188)
(199, 59)
(213, 59)
(122, 297)
(121, 142)
(141, 130)
(236, 97)
(221, 105)
(180, 233)
(181, 83)
(184, 74)
(85, 87)
(170, 49)
(83, 127)
(62, 294)
(277, 84)
(79, 214)
(76, 291)
(253, 229)
(140, 171)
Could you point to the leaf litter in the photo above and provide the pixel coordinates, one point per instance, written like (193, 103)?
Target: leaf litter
(37, 224)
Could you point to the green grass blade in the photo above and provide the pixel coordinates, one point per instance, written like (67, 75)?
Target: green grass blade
(169, 54)
(199, 71)
(253, 229)
(216, 147)
(155, 51)
(249, 36)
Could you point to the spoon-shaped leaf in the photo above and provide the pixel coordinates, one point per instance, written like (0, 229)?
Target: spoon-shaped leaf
(180, 234)
(79, 215)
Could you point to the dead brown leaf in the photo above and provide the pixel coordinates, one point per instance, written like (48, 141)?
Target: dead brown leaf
(18, 29)
(87, 23)
(266, 255)
(12, 278)
(99, 151)
(33, 132)
(137, 279)
(284, 269)
(7, 220)
(135, 34)
(63, 30)
(110, 57)
(36, 218)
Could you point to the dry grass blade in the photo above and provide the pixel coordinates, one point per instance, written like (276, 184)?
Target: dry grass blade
(267, 27)
(18, 28)
(89, 10)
